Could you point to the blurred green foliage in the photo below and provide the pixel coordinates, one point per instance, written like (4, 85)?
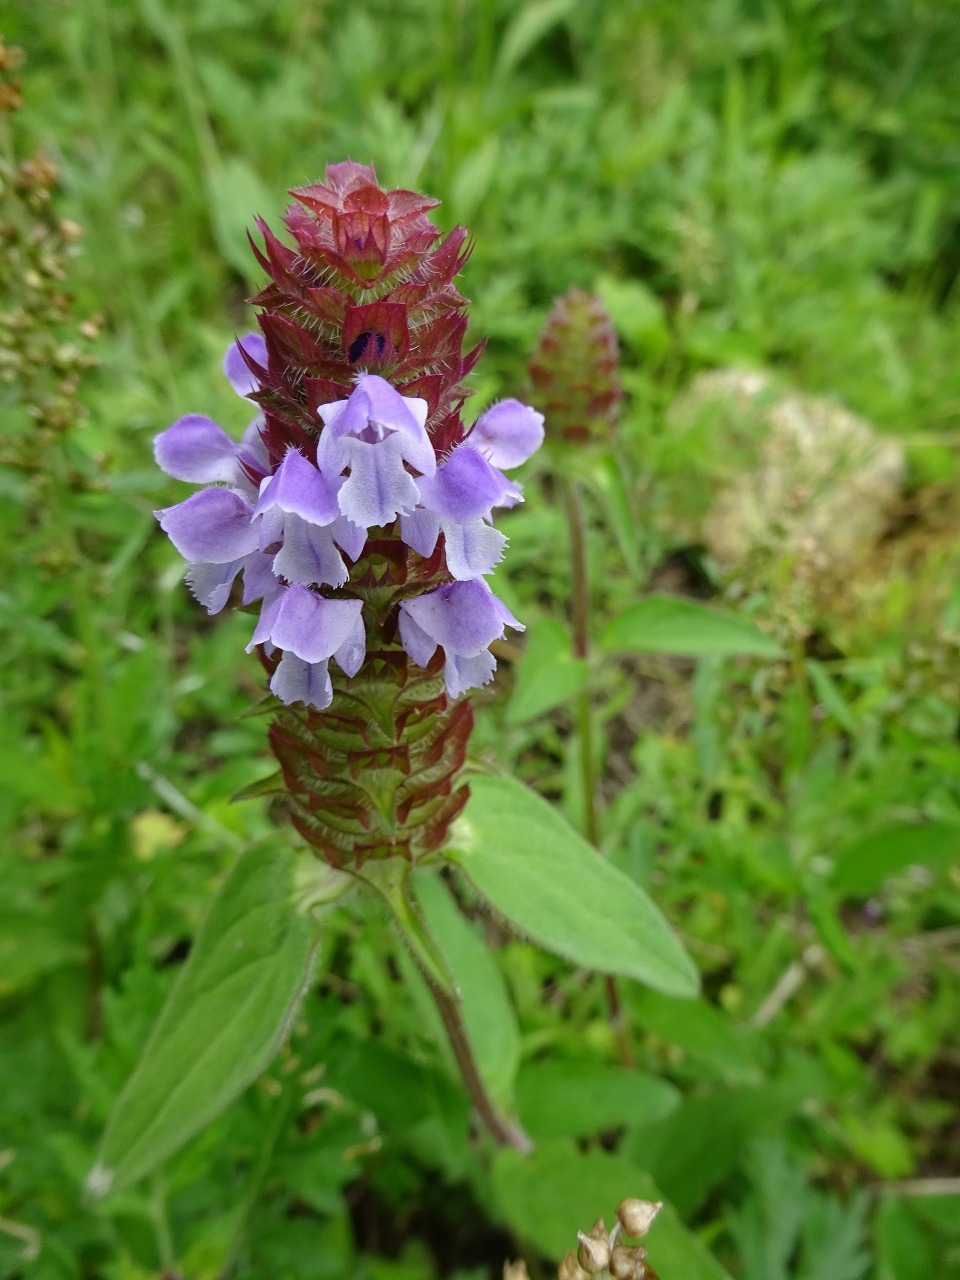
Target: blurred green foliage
(768, 182)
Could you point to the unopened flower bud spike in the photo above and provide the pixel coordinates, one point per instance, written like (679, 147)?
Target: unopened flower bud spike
(575, 371)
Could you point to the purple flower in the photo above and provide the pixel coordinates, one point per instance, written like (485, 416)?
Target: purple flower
(236, 368)
(507, 434)
(196, 449)
(310, 630)
(300, 522)
(463, 618)
(458, 501)
(374, 432)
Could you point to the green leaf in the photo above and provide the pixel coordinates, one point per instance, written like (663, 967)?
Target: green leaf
(579, 1099)
(237, 196)
(700, 1030)
(532, 866)
(30, 949)
(669, 624)
(548, 1196)
(637, 313)
(549, 673)
(474, 177)
(487, 1011)
(606, 478)
(527, 29)
(693, 1149)
(863, 866)
(902, 1245)
(223, 1021)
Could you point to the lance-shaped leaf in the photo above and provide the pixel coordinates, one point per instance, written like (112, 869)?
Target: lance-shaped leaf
(527, 861)
(224, 1019)
(669, 624)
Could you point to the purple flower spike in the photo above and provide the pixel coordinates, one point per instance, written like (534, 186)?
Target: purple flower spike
(463, 618)
(375, 432)
(212, 526)
(235, 367)
(508, 433)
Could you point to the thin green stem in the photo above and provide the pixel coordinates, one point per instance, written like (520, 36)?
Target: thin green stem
(580, 617)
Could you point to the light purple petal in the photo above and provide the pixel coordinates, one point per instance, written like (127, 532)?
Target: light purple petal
(465, 486)
(374, 402)
(212, 525)
(378, 487)
(462, 617)
(350, 655)
(210, 584)
(270, 532)
(508, 433)
(253, 444)
(349, 537)
(332, 453)
(414, 639)
(297, 681)
(235, 368)
(196, 449)
(462, 674)
(298, 488)
(259, 579)
(420, 530)
(312, 627)
(308, 555)
(268, 617)
(511, 495)
(472, 548)
(505, 616)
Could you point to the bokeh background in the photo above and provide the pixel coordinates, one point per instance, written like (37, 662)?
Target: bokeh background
(766, 197)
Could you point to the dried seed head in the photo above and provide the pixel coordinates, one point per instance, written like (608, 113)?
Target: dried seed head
(593, 1253)
(570, 1268)
(628, 1264)
(636, 1216)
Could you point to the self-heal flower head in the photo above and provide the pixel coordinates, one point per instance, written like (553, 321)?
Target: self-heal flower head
(359, 511)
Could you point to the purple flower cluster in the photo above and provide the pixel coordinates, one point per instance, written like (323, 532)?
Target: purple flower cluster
(291, 528)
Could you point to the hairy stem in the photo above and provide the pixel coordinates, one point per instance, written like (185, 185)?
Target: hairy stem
(506, 1131)
(433, 967)
(580, 612)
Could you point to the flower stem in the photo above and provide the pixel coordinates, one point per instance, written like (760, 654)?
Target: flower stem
(506, 1131)
(580, 611)
(393, 885)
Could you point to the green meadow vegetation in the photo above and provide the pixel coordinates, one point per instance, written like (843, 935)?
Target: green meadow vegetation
(765, 194)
